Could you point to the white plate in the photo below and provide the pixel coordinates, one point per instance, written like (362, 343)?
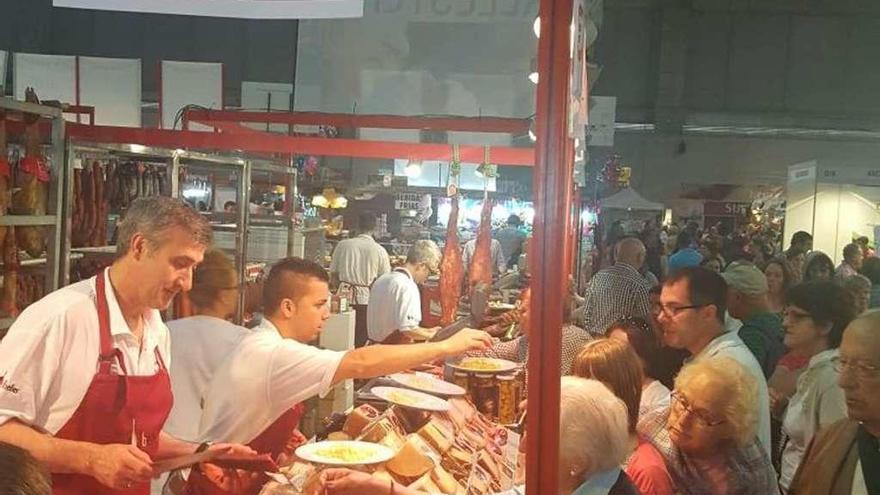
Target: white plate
(494, 365)
(427, 383)
(334, 453)
(410, 398)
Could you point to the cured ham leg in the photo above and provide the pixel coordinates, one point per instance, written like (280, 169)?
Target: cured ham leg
(31, 179)
(481, 264)
(451, 269)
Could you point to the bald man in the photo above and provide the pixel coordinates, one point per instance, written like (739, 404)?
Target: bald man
(844, 458)
(617, 291)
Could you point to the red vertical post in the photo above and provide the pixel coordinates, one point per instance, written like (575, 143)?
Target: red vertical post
(552, 177)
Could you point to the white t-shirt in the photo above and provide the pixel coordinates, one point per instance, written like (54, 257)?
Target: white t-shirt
(395, 304)
(655, 396)
(730, 345)
(50, 355)
(360, 261)
(199, 345)
(264, 377)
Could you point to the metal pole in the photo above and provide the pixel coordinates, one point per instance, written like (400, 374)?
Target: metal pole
(55, 248)
(241, 236)
(552, 178)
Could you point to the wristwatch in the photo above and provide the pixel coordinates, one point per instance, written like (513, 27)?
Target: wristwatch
(203, 447)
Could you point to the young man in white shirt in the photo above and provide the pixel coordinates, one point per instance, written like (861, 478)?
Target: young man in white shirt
(692, 307)
(395, 308)
(83, 379)
(357, 263)
(255, 396)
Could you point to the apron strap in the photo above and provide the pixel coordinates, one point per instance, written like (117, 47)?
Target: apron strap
(108, 353)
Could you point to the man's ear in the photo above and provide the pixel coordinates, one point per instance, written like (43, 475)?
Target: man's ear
(138, 246)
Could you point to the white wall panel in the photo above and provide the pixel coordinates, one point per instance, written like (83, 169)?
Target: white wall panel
(245, 9)
(52, 76)
(113, 87)
(190, 83)
(263, 96)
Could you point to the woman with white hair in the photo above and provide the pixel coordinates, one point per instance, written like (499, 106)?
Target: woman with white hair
(593, 443)
(707, 436)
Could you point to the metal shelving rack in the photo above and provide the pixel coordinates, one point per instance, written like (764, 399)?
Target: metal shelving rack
(178, 160)
(52, 221)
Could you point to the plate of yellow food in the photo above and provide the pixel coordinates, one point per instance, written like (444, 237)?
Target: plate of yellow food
(429, 384)
(499, 306)
(344, 453)
(483, 365)
(411, 398)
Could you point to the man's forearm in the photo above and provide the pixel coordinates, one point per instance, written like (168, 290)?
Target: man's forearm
(379, 360)
(58, 455)
(173, 447)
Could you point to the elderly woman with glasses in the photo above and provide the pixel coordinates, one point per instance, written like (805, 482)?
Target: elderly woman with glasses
(815, 317)
(707, 436)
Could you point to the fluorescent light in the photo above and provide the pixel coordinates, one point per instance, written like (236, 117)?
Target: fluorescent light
(536, 27)
(533, 77)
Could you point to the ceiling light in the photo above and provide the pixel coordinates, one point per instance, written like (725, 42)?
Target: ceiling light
(532, 131)
(413, 169)
(536, 27)
(533, 71)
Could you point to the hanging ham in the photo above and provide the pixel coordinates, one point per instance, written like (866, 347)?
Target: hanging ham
(31, 182)
(451, 269)
(481, 263)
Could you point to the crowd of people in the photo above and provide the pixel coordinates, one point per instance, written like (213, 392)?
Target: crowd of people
(776, 390)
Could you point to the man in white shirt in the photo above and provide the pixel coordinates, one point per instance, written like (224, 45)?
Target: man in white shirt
(499, 263)
(395, 309)
(356, 263)
(255, 394)
(692, 307)
(83, 379)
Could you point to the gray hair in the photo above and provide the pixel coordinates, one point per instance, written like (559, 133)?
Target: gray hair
(593, 429)
(739, 394)
(153, 217)
(424, 251)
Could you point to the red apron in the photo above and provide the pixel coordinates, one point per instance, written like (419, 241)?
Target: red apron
(278, 438)
(113, 406)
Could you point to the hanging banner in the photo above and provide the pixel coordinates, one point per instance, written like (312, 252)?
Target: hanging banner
(244, 9)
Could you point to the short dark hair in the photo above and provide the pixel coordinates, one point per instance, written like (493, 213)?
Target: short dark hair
(800, 237)
(514, 220)
(228, 204)
(285, 278)
(871, 269)
(366, 222)
(817, 258)
(705, 287)
(643, 340)
(851, 250)
(826, 302)
(21, 474)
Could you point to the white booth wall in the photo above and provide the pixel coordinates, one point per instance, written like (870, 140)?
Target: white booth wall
(833, 204)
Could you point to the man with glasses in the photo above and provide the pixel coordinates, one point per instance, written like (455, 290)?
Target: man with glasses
(845, 457)
(692, 306)
(394, 310)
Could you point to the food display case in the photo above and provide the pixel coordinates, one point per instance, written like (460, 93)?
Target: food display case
(453, 449)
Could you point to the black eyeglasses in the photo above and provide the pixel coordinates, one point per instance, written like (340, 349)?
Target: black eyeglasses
(672, 311)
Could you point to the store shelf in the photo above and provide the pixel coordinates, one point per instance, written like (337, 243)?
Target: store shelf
(94, 250)
(30, 108)
(27, 220)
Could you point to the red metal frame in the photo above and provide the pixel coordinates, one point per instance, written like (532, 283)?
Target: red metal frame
(552, 179)
(258, 141)
(465, 124)
(81, 110)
